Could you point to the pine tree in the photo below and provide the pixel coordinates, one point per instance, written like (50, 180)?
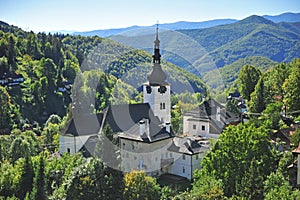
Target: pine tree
(39, 184)
(26, 180)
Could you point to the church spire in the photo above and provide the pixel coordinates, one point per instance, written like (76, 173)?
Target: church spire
(156, 56)
(157, 76)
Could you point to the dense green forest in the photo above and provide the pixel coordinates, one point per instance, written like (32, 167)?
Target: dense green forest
(43, 73)
(252, 36)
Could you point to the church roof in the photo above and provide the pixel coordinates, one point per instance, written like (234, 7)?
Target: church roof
(187, 145)
(156, 76)
(207, 111)
(122, 118)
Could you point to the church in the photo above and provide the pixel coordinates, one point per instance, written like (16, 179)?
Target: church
(146, 140)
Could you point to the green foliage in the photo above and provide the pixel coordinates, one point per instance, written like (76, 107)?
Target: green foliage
(206, 186)
(257, 99)
(272, 115)
(248, 78)
(26, 179)
(295, 138)
(92, 181)
(5, 109)
(38, 192)
(232, 106)
(229, 73)
(277, 187)
(253, 36)
(291, 87)
(140, 186)
(237, 149)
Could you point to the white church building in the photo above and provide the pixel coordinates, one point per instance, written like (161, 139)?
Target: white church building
(145, 136)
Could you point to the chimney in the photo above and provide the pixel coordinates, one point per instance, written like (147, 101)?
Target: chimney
(168, 127)
(218, 114)
(142, 127)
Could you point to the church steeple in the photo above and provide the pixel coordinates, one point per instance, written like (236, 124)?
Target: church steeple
(156, 56)
(157, 76)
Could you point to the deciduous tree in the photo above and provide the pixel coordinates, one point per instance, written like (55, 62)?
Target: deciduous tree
(248, 78)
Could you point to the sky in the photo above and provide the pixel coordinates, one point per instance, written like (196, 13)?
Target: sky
(87, 15)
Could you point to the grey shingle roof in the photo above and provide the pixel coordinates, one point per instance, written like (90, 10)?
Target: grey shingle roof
(187, 146)
(207, 112)
(122, 118)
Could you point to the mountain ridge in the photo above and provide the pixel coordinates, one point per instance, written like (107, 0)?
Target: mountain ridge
(181, 25)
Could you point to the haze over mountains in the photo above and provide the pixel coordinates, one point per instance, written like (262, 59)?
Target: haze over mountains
(285, 17)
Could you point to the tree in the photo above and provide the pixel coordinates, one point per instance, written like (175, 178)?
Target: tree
(206, 186)
(26, 179)
(92, 181)
(277, 187)
(248, 78)
(272, 115)
(291, 88)
(38, 192)
(231, 157)
(5, 109)
(295, 138)
(19, 149)
(232, 106)
(257, 100)
(4, 67)
(140, 186)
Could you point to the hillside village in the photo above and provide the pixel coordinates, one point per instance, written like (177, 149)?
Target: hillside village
(141, 139)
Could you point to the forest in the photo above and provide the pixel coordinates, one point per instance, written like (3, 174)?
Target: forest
(42, 76)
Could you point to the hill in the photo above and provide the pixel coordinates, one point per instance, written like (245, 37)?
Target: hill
(284, 17)
(41, 74)
(229, 73)
(253, 36)
(181, 25)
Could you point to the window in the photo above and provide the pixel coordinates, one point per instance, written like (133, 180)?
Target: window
(183, 157)
(68, 150)
(194, 126)
(203, 128)
(162, 106)
(197, 157)
(183, 170)
(171, 155)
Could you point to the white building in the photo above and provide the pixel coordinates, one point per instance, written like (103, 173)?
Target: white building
(208, 120)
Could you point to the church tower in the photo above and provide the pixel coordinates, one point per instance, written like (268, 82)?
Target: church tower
(157, 91)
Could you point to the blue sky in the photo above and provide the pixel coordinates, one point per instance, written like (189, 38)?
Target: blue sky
(83, 15)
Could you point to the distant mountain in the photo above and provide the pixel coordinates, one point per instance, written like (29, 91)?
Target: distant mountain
(169, 26)
(182, 25)
(285, 17)
(253, 36)
(106, 32)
